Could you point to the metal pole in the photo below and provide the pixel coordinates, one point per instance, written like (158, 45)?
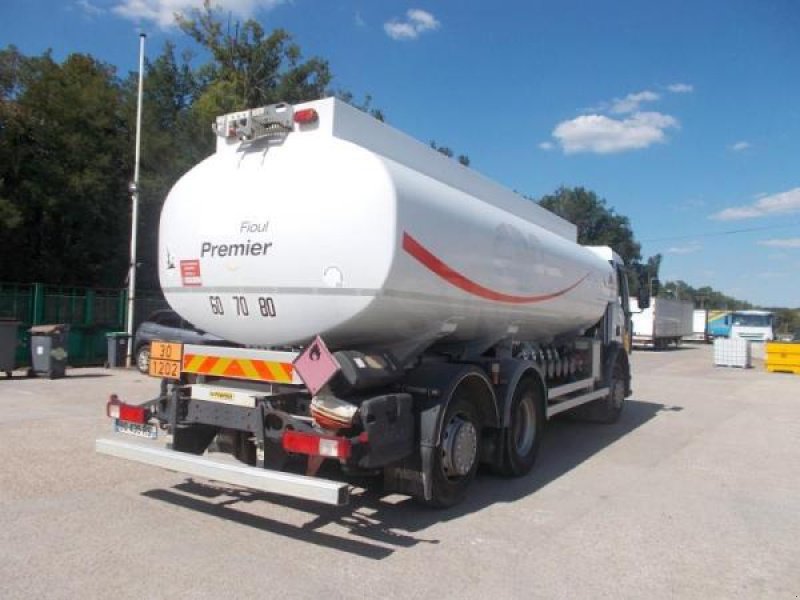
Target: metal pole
(134, 189)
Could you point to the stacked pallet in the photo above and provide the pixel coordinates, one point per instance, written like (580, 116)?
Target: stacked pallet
(732, 353)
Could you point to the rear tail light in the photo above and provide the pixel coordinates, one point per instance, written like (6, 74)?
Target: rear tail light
(316, 445)
(306, 116)
(116, 409)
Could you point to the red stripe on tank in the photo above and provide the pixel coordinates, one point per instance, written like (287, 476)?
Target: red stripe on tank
(462, 282)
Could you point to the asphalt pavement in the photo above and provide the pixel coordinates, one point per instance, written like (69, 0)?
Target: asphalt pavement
(695, 493)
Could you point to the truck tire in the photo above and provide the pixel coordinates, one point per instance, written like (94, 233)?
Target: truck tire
(523, 436)
(456, 457)
(616, 396)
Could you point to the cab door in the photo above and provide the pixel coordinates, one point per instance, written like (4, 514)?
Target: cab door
(620, 329)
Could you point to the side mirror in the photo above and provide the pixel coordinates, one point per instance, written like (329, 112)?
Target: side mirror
(655, 287)
(643, 298)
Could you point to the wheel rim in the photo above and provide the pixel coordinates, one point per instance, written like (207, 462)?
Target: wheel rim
(524, 427)
(143, 359)
(459, 447)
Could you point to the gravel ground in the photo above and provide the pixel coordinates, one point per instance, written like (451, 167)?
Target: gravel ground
(695, 493)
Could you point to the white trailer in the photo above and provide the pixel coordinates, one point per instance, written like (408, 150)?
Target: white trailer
(699, 326)
(666, 321)
(395, 312)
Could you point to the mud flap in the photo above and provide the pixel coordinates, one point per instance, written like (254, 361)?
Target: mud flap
(389, 423)
(409, 477)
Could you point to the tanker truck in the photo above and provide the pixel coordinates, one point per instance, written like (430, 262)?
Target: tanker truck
(391, 314)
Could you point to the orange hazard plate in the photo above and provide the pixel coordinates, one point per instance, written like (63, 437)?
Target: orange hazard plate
(165, 360)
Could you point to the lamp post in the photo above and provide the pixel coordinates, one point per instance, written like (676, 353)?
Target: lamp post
(134, 190)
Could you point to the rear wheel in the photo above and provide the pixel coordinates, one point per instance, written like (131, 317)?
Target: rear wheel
(523, 436)
(143, 358)
(616, 396)
(455, 458)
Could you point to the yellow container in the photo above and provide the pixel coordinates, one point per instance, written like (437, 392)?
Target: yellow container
(783, 357)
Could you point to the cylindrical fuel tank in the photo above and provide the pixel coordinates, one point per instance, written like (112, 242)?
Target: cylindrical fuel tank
(273, 244)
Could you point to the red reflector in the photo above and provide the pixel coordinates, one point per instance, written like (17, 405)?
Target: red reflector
(316, 445)
(306, 116)
(125, 412)
(133, 414)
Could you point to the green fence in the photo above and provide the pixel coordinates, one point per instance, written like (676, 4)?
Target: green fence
(90, 312)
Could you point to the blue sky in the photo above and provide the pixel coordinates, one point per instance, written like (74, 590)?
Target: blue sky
(684, 115)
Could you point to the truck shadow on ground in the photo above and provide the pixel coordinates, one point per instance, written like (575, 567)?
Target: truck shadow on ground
(375, 525)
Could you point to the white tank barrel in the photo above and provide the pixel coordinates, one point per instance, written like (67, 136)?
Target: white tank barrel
(348, 229)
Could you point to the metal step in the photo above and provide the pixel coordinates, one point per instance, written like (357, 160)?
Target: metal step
(265, 480)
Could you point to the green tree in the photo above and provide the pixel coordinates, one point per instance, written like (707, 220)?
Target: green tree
(249, 66)
(62, 170)
(10, 155)
(787, 321)
(703, 297)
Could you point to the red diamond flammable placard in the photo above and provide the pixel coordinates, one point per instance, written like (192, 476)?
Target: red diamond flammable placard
(316, 366)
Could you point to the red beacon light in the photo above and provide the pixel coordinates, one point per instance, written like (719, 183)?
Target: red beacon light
(306, 116)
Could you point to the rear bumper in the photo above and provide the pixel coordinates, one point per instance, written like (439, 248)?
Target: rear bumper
(265, 480)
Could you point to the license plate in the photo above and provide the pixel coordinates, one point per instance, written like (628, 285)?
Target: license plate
(165, 360)
(147, 430)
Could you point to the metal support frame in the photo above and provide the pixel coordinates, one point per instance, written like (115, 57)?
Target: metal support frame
(554, 409)
(569, 388)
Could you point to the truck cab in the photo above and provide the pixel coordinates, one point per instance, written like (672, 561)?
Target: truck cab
(753, 325)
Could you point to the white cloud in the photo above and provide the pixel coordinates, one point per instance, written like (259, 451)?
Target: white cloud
(680, 88)
(689, 248)
(781, 243)
(615, 126)
(604, 135)
(89, 8)
(777, 204)
(360, 22)
(632, 102)
(417, 21)
(424, 21)
(162, 12)
(739, 146)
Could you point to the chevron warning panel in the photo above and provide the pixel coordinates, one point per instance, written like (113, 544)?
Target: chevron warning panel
(238, 368)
